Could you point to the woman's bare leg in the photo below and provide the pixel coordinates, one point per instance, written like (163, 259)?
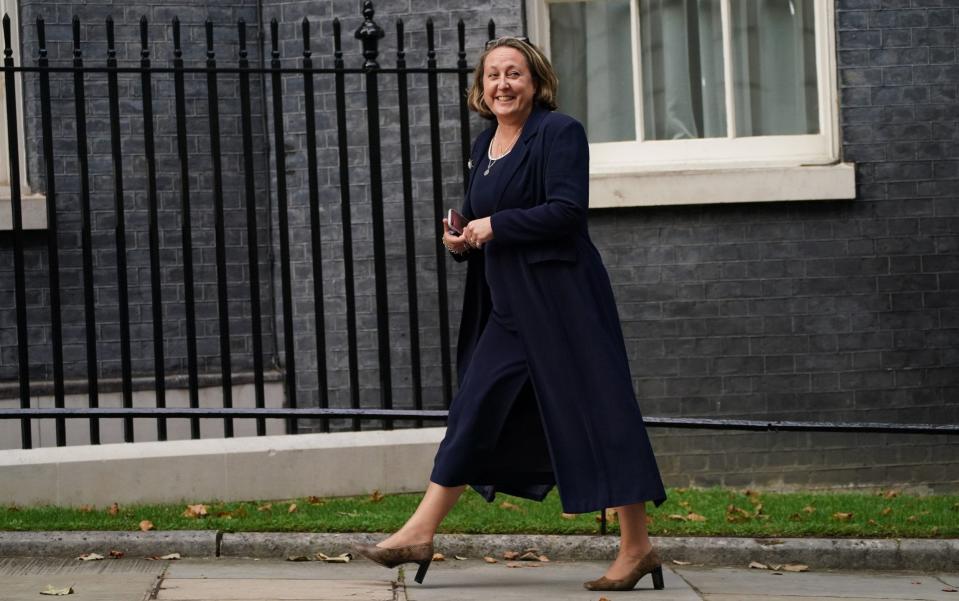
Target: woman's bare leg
(634, 539)
(422, 525)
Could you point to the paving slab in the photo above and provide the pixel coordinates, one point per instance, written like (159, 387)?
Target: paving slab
(556, 581)
(725, 584)
(107, 580)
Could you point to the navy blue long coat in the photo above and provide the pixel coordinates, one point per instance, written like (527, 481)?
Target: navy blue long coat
(563, 307)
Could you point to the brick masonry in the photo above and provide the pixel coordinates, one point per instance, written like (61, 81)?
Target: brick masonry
(827, 310)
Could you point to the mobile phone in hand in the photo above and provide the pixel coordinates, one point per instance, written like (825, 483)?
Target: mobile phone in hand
(456, 221)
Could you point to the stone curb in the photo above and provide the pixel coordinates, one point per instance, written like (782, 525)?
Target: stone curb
(927, 555)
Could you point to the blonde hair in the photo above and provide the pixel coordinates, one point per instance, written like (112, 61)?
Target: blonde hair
(544, 77)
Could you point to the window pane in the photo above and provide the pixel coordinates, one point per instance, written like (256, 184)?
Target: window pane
(774, 66)
(590, 46)
(682, 56)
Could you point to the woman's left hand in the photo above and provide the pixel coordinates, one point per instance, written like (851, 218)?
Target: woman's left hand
(478, 232)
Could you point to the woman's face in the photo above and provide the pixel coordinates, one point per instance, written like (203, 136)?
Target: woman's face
(508, 87)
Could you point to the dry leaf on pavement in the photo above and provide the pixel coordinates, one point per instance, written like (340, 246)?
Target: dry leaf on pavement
(116, 554)
(459, 557)
(522, 564)
(529, 556)
(508, 555)
(90, 557)
(679, 562)
(50, 590)
(758, 566)
(438, 557)
(298, 558)
(795, 567)
(341, 558)
(489, 559)
(170, 556)
(146, 525)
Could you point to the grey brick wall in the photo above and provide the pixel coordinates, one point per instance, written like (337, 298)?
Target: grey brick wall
(828, 310)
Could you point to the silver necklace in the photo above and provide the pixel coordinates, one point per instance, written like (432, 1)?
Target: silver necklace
(489, 152)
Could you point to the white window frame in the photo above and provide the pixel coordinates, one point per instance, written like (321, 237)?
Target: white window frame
(33, 206)
(730, 169)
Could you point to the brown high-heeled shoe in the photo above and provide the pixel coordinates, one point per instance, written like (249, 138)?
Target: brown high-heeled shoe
(649, 564)
(421, 554)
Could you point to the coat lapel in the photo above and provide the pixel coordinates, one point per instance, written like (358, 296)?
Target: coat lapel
(478, 150)
(530, 129)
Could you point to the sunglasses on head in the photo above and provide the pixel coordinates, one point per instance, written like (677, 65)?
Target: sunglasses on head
(496, 41)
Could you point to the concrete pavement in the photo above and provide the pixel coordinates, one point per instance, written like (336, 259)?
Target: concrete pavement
(232, 579)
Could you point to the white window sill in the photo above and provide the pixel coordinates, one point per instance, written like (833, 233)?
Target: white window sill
(722, 185)
(34, 211)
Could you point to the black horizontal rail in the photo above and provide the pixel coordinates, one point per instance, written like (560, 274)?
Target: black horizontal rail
(221, 69)
(441, 414)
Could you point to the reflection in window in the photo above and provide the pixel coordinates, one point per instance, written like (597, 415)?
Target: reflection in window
(591, 51)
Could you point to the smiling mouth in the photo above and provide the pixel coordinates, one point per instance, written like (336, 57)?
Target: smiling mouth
(504, 98)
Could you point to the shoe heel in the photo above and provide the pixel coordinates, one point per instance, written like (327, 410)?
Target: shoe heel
(658, 578)
(421, 572)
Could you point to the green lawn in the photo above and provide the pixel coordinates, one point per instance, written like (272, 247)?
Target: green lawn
(713, 512)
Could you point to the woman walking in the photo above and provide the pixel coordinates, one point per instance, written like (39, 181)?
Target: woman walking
(545, 393)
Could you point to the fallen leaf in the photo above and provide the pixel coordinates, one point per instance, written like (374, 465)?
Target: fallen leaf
(90, 557)
(459, 558)
(676, 517)
(735, 514)
(376, 496)
(508, 555)
(758, 566)
(543, 558)
(298, 558)
(917, 582)
(146, 525)
(522, 564)
(872, 522)
(911, 518)
(529, 556)
(795, 567)
(292, 508)
(341, 558)
(809, 509)
(611, 516)
(795, 518)
(842, 516)
(315, 500)
(886, 510)
(568, 516)
(265, 507)
(891, 494)
(83, 508)
(775, 566)
(50, 590)
(695, 517)
(116, 554)
(751, 493)
(114, 509)
(170, 556)
(510, 506)
(438, 557)
(681, 563)
(195, 511)
(349, 514)
(685, 505)
(489, 559)
(949, 590)
(603, 599)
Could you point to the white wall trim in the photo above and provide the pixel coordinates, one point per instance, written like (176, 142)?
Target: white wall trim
(723, 185)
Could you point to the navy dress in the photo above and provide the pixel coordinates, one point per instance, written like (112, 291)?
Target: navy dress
(545, 395)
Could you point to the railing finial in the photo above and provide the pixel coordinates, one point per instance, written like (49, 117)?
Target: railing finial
(370, 34)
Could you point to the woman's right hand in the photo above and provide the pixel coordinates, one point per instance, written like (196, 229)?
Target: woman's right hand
(454, 243)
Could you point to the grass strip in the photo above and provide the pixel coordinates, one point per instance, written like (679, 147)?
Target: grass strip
(688, 512)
